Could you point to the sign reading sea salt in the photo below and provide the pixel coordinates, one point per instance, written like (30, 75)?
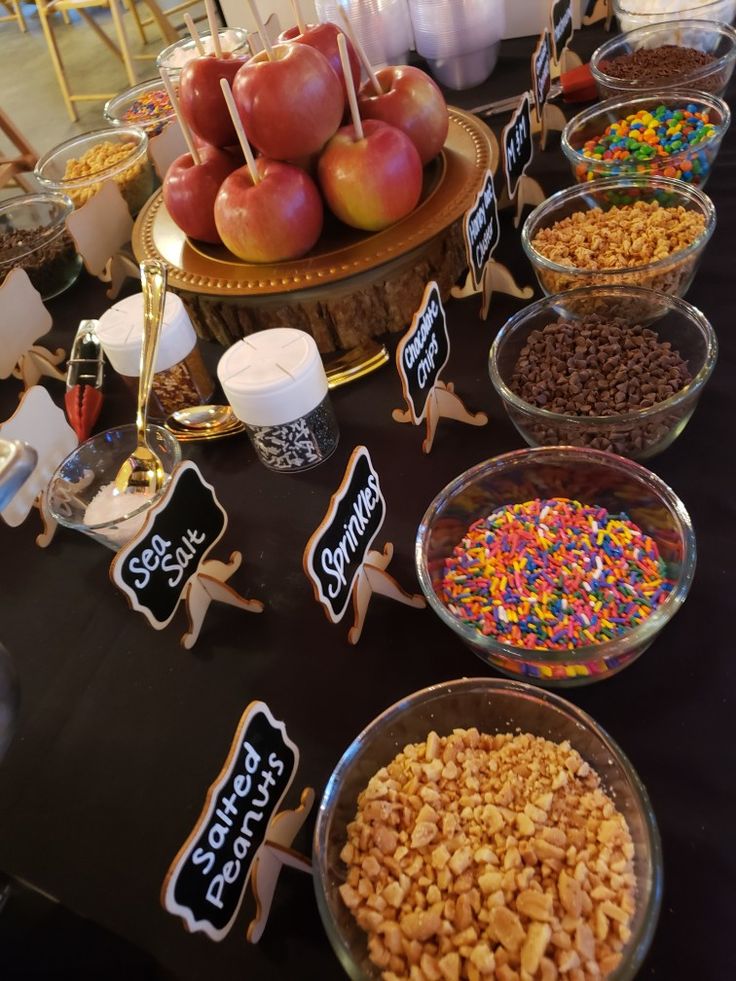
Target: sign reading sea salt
(482, 232)
(231, 840)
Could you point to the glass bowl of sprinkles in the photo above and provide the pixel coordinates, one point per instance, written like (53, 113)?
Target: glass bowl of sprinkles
(618, 368)
(699, 55)
(560, 564)
(673, 134)
(637, 231)
(146, 105)
(502, 718)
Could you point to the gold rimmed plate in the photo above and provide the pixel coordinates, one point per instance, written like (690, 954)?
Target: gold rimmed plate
(450, 186)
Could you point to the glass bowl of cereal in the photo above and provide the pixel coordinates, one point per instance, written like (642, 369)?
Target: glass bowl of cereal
(618, 368)
(672, 134)
(33, 237)
(81, 494)
(146, 105)
(79, 166)
(558, 563)
(451, 831)
(639, 231)
(697, 56)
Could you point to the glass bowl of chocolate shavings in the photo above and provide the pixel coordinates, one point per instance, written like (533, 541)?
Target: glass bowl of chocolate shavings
(33, 236)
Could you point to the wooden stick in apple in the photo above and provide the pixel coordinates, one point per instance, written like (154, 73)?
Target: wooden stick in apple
(298, 17)
(187, 133)
(194, 34)
(250, 160)
(352, 99)
(358, 45)
(261, 28)
(214, 28)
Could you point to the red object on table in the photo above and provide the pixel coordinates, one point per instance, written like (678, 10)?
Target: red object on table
(578, 85)
(83, 404)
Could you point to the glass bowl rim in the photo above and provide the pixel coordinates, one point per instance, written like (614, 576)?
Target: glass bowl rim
(618, 5)
(644, 632)
(123, 98)
(694, 386)
(149, 501)
(52, 232)
(621, 103)
(638, 944)
(113, 133)
(183, 42)
(693, 194)
(634, 85)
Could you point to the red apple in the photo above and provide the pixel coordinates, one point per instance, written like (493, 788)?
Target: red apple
(290, 106)
(190, 190)
(276, 219)
(202, 101)
(323, 37)
(412, 102)
(373, 182)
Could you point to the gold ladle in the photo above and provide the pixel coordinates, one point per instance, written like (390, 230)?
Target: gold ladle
(143, 470)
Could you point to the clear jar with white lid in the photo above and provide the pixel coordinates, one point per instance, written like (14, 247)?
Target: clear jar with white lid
(181, 378)
(276, 384)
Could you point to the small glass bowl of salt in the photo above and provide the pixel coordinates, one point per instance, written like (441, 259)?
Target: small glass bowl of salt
(82, 495)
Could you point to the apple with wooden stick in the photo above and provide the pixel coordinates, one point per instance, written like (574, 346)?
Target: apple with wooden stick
(267, 211)
(370, 172)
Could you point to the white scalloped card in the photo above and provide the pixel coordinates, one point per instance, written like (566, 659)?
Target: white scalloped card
(23, 319)
(100, 227)
(166, 147)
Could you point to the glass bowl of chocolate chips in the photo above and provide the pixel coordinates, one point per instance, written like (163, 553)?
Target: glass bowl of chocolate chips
(33, 236)
(616, 368)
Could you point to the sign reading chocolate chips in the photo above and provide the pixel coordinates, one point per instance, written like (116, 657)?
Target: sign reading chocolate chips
(562, 26)
(206, 882)
(424, 350)
(482, 232)
(337, 550)
(541, 72)
(156, 566)
(518, 147)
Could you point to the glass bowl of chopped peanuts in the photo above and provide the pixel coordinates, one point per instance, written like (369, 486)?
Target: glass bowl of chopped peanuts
(558, 564)
(638, 231)
(483, 829)
(79, 166)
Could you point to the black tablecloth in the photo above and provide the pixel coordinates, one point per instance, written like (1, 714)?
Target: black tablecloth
(121, 731)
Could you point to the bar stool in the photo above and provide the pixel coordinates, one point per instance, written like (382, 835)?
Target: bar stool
(24, 160)
(14, 12)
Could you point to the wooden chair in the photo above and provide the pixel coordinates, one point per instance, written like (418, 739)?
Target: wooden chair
(14, 12)
(24, 160)
(121, 50)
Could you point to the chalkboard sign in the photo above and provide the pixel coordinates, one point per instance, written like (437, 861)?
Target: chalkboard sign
(518, 147)
(154, 568)
(562, 26)
(423, 352)
(482, 232)
(206, 882)
(336, 551)
(541, 72)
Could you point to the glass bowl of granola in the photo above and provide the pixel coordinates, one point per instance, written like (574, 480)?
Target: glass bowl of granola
(481, 823)
(639, 231)
(79, 167)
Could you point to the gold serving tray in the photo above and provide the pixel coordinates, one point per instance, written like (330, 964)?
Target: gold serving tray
(451, 183)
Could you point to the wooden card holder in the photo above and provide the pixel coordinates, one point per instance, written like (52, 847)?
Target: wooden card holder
(100, 227)
(39, 422)
(167, 561)
(23, 319)
(338, 558)
(241, 836)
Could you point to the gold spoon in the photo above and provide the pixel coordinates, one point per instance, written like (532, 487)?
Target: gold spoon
(143, 470)
(203, 418)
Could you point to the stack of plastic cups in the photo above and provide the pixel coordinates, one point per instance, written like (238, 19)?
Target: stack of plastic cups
(383, 26)
(460, 40)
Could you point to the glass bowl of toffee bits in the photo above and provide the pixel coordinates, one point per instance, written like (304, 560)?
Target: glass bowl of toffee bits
(698, 56)
(33, 237)
(483, 824)
(616, 368)
(560, 564)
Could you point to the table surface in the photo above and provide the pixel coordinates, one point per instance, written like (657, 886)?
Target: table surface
(121, 731)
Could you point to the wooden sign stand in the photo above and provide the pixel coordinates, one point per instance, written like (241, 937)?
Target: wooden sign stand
(442, 403)
(38, 362)
(553, 119)
(528, 191)
(338, 558)
(497, 278)
(152, 571)
(118, 268)
(241, 836)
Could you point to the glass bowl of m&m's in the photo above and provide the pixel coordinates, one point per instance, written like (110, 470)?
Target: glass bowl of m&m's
(674, 134)
(556, 564)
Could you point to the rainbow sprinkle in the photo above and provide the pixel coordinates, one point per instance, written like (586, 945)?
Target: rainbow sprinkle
(554, 575)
